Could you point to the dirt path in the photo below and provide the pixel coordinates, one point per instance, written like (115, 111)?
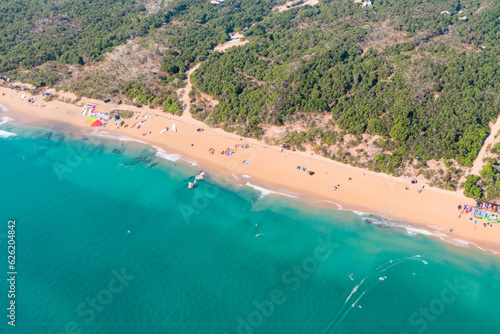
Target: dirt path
(183, 94)
(237, 39)
(483, 153)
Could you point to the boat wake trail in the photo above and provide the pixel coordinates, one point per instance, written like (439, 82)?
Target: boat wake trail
(367, 283)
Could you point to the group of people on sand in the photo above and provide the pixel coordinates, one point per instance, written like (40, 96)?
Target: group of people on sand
(229, 151)
(419, 190)
(142, 120)
(30, 99)
(479, 213)
(304, 169)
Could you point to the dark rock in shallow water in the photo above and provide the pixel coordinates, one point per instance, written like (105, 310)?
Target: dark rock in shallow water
(116, 151)
(137, 160)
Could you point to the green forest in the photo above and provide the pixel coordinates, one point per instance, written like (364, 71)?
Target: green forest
(311, 62)
(422, 75)
(33, 32)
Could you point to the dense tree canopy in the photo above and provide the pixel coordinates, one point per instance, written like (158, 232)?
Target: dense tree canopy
(422, 75)
(36, 31)
(433, 98)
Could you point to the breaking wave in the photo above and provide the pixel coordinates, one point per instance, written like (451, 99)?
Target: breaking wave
(265, 192)
(7, 134)
(5, 119)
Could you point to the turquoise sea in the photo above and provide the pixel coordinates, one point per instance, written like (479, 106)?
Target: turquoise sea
(110, 240)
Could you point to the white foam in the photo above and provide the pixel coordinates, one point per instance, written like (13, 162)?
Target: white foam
(339, 207)
(160, 153)
(105, 134)
(385, 222)
(265, 192)
(413, 231)
(245, 176)
(360, 213)
(7, 134)
(463, 243)
(5, 120)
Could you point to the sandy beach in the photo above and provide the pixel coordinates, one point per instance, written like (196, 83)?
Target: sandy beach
(432, 209)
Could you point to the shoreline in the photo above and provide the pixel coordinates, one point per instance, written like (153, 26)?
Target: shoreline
(434, 210)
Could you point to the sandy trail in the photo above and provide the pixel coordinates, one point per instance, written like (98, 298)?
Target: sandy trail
(236, 39)
(184, 96)
(483, 153)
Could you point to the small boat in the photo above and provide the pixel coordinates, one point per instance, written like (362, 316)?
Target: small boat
(200, 176)
(192, 185)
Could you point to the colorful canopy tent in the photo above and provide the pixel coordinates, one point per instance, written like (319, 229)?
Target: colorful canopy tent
(90, 120)
(93, 121)
(96, 123)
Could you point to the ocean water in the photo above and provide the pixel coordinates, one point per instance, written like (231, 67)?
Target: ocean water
(110, 240)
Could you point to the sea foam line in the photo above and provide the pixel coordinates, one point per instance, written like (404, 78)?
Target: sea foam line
(265, 192)
(3, 108)
(7, 134)
(386, 222)
(104, 134)
(161, 153)
(5, 120)
(412, 231)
